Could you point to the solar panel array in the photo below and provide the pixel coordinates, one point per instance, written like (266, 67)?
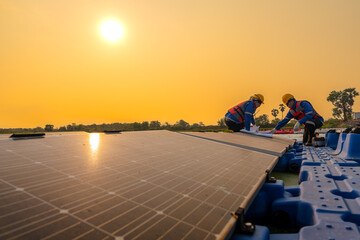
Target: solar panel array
(133, 185)
(275, 146)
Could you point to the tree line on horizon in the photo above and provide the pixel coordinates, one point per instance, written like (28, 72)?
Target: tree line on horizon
(180, 125)
(343, 102)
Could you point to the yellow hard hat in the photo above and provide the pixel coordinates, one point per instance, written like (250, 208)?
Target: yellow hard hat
(258, 97)
(287, 97)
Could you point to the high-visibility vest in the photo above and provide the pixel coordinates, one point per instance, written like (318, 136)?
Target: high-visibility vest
(239, 111)
(299, 111)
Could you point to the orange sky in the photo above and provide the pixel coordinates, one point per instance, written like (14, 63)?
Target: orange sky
(181, 59)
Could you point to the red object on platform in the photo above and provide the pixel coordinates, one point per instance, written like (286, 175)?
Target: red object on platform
(284, 131)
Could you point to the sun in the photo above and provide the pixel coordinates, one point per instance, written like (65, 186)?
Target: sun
(112, 30)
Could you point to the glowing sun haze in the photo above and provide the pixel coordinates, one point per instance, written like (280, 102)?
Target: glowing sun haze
(112, 30)
(88, 61)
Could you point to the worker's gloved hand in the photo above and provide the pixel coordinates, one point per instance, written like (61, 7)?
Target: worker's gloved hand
(272, 131)
(297, 126)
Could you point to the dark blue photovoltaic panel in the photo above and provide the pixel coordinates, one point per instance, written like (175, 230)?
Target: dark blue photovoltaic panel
(132, 185)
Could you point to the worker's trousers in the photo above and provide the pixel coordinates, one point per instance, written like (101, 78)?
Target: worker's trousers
(309, 130)
(236, 127)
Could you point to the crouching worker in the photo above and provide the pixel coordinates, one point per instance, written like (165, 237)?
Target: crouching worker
(304, 112)
(241, 115)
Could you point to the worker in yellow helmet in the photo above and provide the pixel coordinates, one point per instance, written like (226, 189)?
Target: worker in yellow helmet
(242, 115)
(304, 112)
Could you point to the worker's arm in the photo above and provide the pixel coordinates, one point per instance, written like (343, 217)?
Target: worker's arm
(249, 115)
(283, 122)
(309, 112)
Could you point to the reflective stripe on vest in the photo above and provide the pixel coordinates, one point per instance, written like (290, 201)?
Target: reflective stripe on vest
(239, 111)
(299, 113)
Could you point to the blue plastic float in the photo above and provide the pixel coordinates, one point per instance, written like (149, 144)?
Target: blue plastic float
(331, 140)
(325, 204)
(340, 144)
(351, 147)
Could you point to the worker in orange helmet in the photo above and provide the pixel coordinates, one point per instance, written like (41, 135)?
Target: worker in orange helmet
(304, 112)
(242, 115)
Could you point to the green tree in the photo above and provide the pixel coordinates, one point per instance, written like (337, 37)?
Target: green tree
(62, 129)
(38, 129)
(137, 126)
(182, 124)
(221, 122)
(195, 125)
(81, 127)
(343, 102)
(155, 124)
(282, 109)
(262, 121)
(274, 112)
(274, 122)
(145, 125)
(49, 128)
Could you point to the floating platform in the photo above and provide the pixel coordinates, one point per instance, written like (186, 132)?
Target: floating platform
(325, 204)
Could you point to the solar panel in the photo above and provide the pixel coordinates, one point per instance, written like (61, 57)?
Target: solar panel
(133, 185)
(273, 146)
(4, 136)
